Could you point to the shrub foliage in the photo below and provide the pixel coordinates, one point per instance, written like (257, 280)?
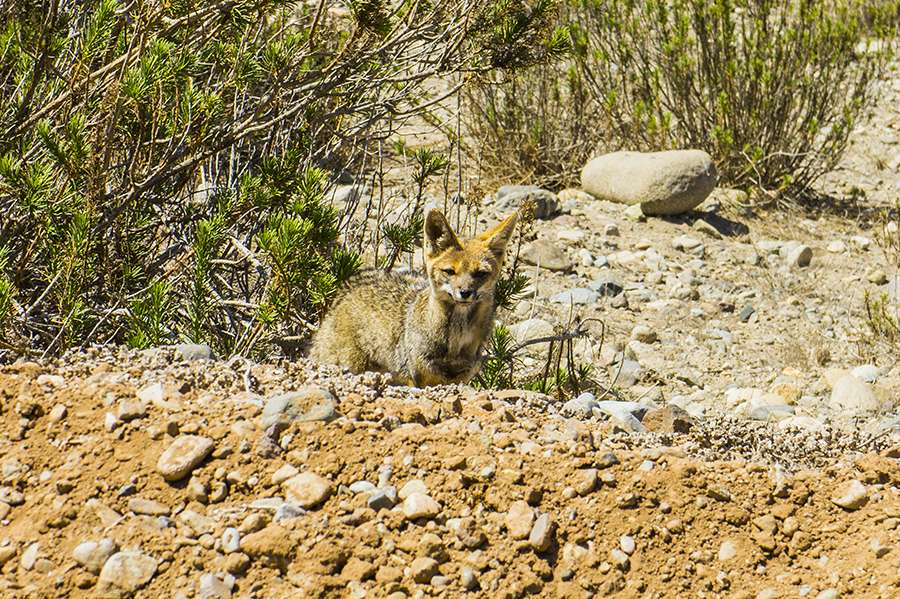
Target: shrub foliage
(771, 88)
(165, 165)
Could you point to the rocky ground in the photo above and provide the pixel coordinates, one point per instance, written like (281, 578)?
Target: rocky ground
(163, 473)
(743, 439)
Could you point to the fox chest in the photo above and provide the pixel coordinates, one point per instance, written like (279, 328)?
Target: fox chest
(465, 333)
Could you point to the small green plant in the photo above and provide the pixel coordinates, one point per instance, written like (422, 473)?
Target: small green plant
(403, 236)
(562, 375)
(883, 319)
(150, 316)
(883, 309)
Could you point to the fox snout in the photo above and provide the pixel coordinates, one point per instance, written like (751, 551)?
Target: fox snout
(464, 287)
(464, 293)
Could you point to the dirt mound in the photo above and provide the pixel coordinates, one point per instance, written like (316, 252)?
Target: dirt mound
(288, 480)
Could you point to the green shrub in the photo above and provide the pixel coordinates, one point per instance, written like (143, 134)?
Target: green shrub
(165, 165)
(771, 88)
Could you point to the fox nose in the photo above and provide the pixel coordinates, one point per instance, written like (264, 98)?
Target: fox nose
(466, 293)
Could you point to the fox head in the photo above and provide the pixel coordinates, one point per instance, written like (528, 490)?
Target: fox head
(464, 271)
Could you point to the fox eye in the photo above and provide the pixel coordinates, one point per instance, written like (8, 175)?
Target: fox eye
(480, 274)
(448, 271)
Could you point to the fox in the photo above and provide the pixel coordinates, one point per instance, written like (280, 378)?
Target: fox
(425, 330)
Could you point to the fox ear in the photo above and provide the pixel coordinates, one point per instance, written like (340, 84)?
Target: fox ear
(498, 237)
(438, 234)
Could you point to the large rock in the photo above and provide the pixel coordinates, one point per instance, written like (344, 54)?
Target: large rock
(661, 182)
(853, 395)
(124, 573)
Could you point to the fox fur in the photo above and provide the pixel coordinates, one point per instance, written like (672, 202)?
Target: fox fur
(426, 330)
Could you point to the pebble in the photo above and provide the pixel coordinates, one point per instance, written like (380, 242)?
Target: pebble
(542, 533)
(423, 569)
(829, 594)
(579, 296)
(231, 540)
(413, 486)
(644, 334)
(273, 541)
(863, 243)
(383, 499)
(30, 556)
(668, 419)
(184, 454)
(197, 522)
(620, 559)
(866, 372)
(283, 473)
(877, 276)
(621, 413)
(124, 573)
(626, 544)
(58, 413)
(195, 351)
(581, 406)
(10, 496)
(607, 286)
(701, 226)
(512, 197)
(310, 403)
(362, 486)
(796, 255)
(879, 548)
(634, 213)
(211, 587)
(468, 579)
(308, 489)
(519, 520)
(686, 243)
(547, 255)
(148, 507)
(6, 554)
(287, 511)
(420, 505)
(852, 495)
(130, 409)
(533, 328)
(727, 551)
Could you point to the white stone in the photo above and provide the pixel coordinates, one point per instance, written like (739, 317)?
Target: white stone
(124, 573)
(519, 520)
(853, 395)
(183, 455)
(727, 551)
(413, 486)
(307, 489)
(285, 472)
(669, 182)
(852, 496)
(419, 505)
(231, 540)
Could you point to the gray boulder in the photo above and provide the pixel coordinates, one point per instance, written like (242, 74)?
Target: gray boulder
(512, 197)
(662, 183)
